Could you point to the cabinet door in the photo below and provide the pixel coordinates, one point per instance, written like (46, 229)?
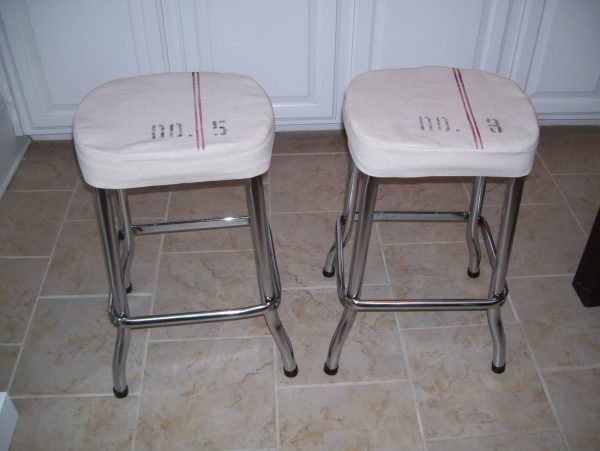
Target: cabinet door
(557, 58)
(288, 46)
(58, 50)
(403, 33)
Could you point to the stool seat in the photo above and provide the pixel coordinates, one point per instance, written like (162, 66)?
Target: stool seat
(437, 121)
(173, 128)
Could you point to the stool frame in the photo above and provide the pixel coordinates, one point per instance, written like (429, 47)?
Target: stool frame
(349, 295)
(117, 234)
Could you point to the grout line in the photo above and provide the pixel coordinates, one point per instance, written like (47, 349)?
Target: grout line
(329, 287)
(558, 369)
(540, 276)
(23, 257)
(544, 386)
(341, 384)
(276, 392)
(68, 395)
(87, 296)
(572, 174)
(564, 198)
(494, 434)
(148, 341)
(39, 292)
(403, 349)
(411, 378)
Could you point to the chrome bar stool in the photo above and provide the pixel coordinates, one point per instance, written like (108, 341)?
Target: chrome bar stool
(429, 122)
(169, 129)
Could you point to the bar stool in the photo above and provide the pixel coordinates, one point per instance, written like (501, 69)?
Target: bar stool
(169, 129)
(430, 122)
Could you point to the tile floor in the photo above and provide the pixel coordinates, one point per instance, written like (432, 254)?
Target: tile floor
(407, 381)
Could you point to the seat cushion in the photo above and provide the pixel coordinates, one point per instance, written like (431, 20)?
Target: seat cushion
(173, 128)
(437, 121)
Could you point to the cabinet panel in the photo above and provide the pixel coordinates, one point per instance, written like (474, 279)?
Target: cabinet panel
(564, 76)
(288, 46)
(60, 50)
(461, 33)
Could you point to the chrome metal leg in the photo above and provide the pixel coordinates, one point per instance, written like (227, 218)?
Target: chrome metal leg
(266, 268)
(127, 231)
(117, 297)
(472, 226)
(357, 270)
(347, 216)
(510, 210)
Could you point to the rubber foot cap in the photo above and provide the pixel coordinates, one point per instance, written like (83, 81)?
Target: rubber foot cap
(121, 394)
(330, 372)
(498, 369)
(129, 289)
(472, 275)
(292, 373)
(327, 273)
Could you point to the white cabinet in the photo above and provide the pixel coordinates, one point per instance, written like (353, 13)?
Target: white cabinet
(303, 52)
(557, 58)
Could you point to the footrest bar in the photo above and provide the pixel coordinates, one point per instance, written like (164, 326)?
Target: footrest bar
(198, 224)
(420, 216)
(177, 319)
(396, 305)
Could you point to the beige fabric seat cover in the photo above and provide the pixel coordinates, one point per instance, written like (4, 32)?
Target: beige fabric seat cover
(173, 128)
(437, 121)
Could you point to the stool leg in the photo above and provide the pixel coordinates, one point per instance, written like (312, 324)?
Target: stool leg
(267, 272)
(357, 271)
(510, 210)
(472, 227)
(117, 297)
(347, 216)
(127, 237)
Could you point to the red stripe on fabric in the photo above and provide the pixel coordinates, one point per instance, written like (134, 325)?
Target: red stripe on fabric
(194, 87)
(467, 107)
(198, 111)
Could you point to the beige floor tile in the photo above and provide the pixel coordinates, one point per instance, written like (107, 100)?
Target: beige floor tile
(69, 349)
(212, 200)
(208, 281)
(143, 203)
(20, 281)
(371, 352)
(421, 320)
(459, 395)
(75, 423)
(47, 165)
(8, 358)
(432, 194)
(547, 242)
(308, 183)
(569, 150)
(302, 242)
(583, 195)
(561, 331)
(424, 194)
(310, 142)
(533, 441)
(576, 397)
(539, 188)
(434, 270)
(355, 417)
(78, 267)
(208, 395)
(29, 222)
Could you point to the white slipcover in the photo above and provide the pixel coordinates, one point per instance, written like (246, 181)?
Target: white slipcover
(173, 128)
(437, 121)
